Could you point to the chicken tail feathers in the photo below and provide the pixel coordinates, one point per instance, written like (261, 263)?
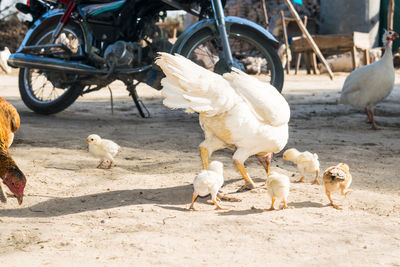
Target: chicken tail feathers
(192, 87)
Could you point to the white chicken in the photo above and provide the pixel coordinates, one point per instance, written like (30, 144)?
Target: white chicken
(209, 182)
(4, 55)
(102, 148)
(278, 186)
(236, 111)
(306, 163)
(367, 86)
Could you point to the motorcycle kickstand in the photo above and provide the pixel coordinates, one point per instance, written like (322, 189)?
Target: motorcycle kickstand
(131, 87)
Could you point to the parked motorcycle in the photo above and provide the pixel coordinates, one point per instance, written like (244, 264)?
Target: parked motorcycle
(80, 46)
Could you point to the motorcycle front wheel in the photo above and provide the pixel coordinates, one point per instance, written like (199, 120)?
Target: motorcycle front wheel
(48, 92)
(251, 53)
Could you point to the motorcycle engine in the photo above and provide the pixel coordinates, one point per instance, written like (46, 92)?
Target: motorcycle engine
(122, 53)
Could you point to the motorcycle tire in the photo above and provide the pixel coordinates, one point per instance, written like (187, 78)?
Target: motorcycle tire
(263, 45)
(29, 94)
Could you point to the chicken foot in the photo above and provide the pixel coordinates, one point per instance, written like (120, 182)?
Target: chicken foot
(249, 182)
(336, 206)
(300, 180)
(272, 206)
(316, 181)
(228, 198)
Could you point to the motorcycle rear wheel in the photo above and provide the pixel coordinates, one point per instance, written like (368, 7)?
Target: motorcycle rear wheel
(251, 53)
(41, 90)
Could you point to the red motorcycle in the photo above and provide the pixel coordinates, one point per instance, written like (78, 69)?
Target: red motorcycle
(80, 46)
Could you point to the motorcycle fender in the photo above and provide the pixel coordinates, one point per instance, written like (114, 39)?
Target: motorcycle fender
(229, 22)
(45, 20)
(39, 23)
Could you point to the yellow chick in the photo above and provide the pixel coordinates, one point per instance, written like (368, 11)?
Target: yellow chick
(278, 186)
(209, 182)
(335, 178)
(306, 163)
(104, 149)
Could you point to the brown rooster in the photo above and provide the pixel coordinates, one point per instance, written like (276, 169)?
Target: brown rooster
(10, 173)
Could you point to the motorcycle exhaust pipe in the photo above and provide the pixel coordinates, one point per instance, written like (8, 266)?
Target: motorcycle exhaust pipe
(20, 60)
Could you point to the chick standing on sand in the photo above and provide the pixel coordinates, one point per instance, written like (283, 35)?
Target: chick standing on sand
(335, 178)
(306, 163)
(102, 148)
(278, 186)
(209, 182)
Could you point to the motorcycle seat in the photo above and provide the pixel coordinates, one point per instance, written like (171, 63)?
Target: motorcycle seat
(95, 9)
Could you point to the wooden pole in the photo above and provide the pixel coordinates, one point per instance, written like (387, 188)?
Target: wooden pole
(390, 15)
(309, 38)
(265, 14)
(285, 36)
(299, 54)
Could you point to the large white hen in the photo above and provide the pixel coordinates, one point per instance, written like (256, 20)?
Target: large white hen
(104, 149)
(306, 162)
(367, 86)
(236, 110)
(209, 182)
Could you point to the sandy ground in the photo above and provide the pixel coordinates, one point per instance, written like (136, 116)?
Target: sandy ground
(136, 213)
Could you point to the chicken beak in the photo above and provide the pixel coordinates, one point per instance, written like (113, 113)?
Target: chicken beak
(87, 141)
(19, 198)
(395, 36)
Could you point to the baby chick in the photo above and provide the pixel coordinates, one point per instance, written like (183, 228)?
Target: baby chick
(335, 178)
(278, 186)
(209, 182)
(103, 149)
(306, 163)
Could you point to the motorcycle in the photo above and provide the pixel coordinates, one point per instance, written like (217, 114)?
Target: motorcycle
(80, 46)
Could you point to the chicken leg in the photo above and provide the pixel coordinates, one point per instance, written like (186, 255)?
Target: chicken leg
(205, 157)
(249, 182)
(193, 200)
(272, 205)
(265, 161)
(3, 197)
(371, 118)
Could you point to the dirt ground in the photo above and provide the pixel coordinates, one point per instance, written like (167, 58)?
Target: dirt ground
(136, 213)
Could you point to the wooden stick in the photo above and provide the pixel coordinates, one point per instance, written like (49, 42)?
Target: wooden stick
(299, 54)
(308, 37)
(265, 14)
(390, 15)
(286, 42)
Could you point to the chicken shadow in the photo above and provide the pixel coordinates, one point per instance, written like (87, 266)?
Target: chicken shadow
(58, 206)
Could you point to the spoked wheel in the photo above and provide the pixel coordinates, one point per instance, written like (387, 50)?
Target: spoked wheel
(48, 92)
(251, 54)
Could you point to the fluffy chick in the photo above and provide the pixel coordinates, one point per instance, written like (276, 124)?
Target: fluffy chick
(102, 148)
(278, 186)
(335, 178)
(306, 163)
(209, 182)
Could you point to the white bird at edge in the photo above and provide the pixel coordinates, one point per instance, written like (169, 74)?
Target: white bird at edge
(365, 87)
(4, 55)
(102, 148)
(237, 111)
(209, 182)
